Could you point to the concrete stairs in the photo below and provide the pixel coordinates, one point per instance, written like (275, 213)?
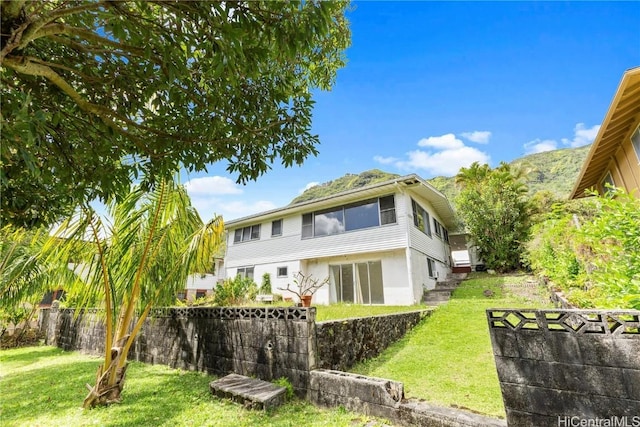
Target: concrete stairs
(443, 290)
(251, 392)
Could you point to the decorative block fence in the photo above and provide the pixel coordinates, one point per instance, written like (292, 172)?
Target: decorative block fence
(266, 342)
(567, 367)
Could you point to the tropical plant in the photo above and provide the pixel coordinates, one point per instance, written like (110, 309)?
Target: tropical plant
(235, 291)
(496, 211)
(24, 277)
(265, 286)
(156, 240)
(99, 94)
(590, 250)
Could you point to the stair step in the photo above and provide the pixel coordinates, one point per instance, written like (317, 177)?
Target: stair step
(251, 392)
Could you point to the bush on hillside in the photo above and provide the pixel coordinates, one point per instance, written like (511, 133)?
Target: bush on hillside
(592, 254)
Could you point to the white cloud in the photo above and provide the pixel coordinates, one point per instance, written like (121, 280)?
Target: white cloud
(444, 142)
(207, 207)
(308, 186)
(212, 186)
(540, 146)
(478, 136)
(447, 161)
(581, 135)
(385, 160)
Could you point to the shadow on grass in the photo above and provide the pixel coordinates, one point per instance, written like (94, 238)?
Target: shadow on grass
(50, 385)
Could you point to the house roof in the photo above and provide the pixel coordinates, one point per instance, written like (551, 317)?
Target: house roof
(411, 182)
(621, 116)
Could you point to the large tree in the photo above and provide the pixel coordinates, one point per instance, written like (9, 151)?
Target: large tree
(496, 211)
(98, 94)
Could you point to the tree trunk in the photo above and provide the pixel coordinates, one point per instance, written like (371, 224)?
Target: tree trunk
(109, 382)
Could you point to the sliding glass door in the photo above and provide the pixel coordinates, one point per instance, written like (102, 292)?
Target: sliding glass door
(359, 283)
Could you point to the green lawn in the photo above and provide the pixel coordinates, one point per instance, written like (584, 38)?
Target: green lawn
(45, 386)
(447, 359)
(344, 311)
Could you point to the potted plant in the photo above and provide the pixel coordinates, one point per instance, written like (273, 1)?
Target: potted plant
(304, 287)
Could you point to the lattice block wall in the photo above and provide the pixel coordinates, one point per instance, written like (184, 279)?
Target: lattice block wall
(566, 363)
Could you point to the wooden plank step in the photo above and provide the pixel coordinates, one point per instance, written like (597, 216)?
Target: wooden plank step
(251, 392)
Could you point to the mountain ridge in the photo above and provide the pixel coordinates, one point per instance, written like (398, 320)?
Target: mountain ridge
(555, 171)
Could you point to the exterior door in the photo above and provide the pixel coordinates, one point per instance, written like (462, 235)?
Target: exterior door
(359, 283)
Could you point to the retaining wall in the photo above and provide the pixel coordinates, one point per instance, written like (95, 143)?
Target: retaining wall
(343, 343)
(265, 342)
(566, 367)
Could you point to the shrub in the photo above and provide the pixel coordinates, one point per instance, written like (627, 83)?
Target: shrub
(236, 291)
(265, 287)
(592, 254)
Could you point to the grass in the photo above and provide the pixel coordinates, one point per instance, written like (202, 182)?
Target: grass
(447, 359)
(345, 311)
(45, 386)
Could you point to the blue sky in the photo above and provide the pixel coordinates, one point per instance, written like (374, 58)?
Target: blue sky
(430, 87)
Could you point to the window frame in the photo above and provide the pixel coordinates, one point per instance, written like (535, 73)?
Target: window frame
(273, 223)
(431, 268)
(286, 271)
(245, 270)
(247, 234)
(635, 141)
(607, 179)
(308, 228)
(421, 214)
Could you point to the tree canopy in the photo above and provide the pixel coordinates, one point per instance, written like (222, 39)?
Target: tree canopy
(496, 211)
(97, 95)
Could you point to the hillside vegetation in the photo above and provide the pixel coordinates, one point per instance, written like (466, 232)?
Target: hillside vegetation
(555, 171)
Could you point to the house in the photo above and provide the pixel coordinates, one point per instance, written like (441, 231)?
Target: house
(614, 157)
(383, 243)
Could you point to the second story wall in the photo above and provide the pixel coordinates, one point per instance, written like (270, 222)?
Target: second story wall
(291, 245)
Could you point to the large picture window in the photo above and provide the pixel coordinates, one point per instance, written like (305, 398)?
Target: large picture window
(355, 216)
(635, 141)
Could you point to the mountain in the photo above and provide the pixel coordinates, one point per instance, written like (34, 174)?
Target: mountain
(555, 171)
(344, 183)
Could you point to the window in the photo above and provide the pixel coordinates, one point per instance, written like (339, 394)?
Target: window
(359, 283)
(387, 210)
(276, 228)
(356, 216)
(421, 218)
(182, 295)
(201, 293)
(245, 272)
(246, 234)
(635, 141)
(361, 215)
(608, 183)
(328, 222)
(446, 234)
(437, 228)
(283, 271)
(431, 266)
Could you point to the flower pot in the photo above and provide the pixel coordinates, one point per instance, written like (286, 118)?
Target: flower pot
(306, 300)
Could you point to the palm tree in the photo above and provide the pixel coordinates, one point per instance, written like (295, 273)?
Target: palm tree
(472, 175)
(156, 240)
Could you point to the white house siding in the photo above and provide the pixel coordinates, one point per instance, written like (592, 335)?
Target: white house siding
(291, 246)
(404, 270)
